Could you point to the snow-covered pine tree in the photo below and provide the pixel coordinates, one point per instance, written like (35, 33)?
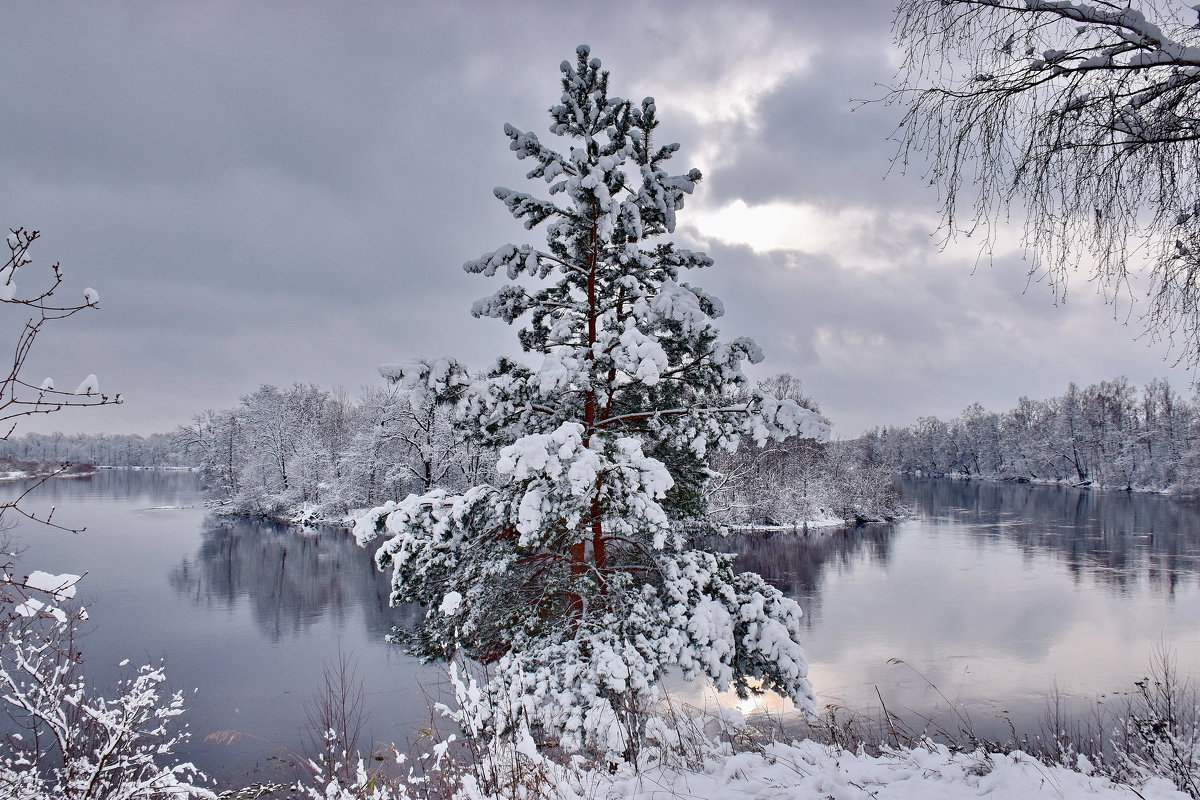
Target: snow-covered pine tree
(572, 577)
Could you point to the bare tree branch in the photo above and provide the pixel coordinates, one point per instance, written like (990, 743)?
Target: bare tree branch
(1084, 117)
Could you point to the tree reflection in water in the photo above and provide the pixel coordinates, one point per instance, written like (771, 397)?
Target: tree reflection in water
(797, 562)
(291, 578)
(1119, 539)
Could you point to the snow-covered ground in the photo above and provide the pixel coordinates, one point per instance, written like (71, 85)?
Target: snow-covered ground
(806, 770)
(809, 770)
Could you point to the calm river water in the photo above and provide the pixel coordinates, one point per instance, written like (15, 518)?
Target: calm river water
(993, 594)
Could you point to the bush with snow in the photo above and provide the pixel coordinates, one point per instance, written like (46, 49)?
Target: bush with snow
(75, 744)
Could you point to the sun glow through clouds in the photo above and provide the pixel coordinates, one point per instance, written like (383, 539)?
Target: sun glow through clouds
(842, 233)
(771, 226)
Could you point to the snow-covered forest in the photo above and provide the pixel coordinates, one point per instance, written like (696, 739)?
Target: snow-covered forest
(306, 453)
(1107, 434)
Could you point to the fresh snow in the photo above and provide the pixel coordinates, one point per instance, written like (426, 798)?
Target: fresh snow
(810, 771)
(62, 587)
(32, 608)
(90, 385)
(451, 603)
(805, 770)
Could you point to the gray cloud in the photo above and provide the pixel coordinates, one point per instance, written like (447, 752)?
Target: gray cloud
(274, 192)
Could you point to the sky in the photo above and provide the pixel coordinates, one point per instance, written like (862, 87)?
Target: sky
(278, 192)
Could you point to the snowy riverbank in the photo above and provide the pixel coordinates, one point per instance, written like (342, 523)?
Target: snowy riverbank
(807, 769)
(12, 469)
(802, 770)
(1172, 491)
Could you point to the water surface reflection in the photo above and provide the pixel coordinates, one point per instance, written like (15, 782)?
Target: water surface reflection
(290, 578)
(798, 564)
(1121, 539)
(992, 593)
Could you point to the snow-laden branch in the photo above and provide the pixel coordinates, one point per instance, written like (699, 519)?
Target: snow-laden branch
(105, 748)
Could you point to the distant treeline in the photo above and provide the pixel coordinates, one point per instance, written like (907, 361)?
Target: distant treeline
(1107, 434)
(308, 453)
(101, 449)
(305, 453)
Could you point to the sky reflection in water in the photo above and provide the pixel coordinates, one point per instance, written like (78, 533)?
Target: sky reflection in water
(992, 594)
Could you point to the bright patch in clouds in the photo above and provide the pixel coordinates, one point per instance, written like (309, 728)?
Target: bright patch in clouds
(869, 351)
(801, 227)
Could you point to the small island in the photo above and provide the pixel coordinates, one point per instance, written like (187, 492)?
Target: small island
(16, 469)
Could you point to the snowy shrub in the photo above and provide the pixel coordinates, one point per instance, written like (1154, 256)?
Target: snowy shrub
(1153, 735)
(75, 744)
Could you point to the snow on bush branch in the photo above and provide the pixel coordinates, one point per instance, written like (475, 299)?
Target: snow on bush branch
(18, 397)
(76, 744)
